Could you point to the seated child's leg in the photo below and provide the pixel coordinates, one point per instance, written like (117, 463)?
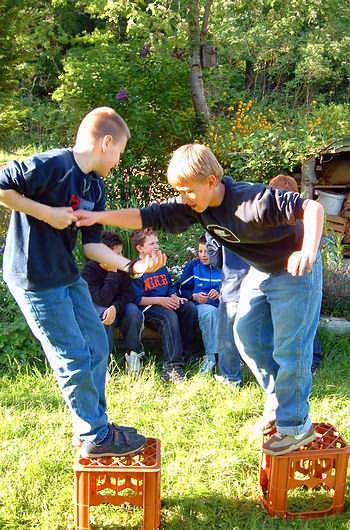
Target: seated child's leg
(229, 358)
(108, 329)
(79, 362)
(166, 323)
(295, 307)
(131, 325)
(188, 320)
(208, 320)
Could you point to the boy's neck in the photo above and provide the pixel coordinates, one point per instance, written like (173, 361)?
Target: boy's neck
(84, 159)
(218, 195)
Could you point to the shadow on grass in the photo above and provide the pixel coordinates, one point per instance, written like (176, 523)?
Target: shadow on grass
(217, 512)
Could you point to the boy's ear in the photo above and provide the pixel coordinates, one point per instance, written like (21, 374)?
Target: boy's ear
(212, 181)
(138, 248)
(107, 141)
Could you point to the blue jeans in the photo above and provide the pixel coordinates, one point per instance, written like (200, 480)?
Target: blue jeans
(71, 334)
(275, 326)
(229, 358)
(177, 331)
(208, 322)
(131, 326)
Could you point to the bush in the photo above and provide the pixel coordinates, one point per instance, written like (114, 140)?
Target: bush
(17, 345)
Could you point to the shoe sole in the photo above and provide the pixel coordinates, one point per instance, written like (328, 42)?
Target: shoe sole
(291, 448)
(126, 453)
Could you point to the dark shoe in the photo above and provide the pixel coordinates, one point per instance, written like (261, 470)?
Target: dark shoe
(116, 443)
(281, 444)
(174, 375)
(78, 442)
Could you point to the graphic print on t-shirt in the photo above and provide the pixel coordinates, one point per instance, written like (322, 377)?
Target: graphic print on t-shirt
(223, 233)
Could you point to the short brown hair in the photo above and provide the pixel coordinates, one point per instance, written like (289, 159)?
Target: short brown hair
(111, 239)
(193, 161)
(101, 122)
(284, 182)
(139, 236)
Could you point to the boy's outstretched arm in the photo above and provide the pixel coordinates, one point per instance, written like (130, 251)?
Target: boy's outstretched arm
(112, 261)
(127, 218)
(302, 261)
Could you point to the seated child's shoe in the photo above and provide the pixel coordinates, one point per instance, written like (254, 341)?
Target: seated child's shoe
(174, 375)
(225, 381)
(134, 362)
(116, 443)
(281, 444)
(207, 365)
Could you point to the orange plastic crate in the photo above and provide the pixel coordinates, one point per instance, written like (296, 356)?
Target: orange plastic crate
(133, 479)
(320, 464)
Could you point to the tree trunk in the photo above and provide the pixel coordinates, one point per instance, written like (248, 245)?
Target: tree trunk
(196, 75)
(308, 177)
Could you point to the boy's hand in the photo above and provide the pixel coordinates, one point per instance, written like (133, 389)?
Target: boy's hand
(200, 298)
(109, 315)
(300, 262)
(213, 294)
(85, 218)
(169, 303)
(150, 264)
(60, 217)
(178, 300)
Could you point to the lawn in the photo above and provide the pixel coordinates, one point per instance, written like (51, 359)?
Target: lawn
(209, 445)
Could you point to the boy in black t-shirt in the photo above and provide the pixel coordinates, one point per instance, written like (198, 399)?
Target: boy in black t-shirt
(278, 234)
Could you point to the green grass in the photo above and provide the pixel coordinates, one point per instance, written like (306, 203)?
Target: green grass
(209, 446)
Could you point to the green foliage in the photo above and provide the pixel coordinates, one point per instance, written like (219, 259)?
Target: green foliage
(17, 345)
(255, 142)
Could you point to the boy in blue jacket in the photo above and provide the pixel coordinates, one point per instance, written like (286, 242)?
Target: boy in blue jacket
(201, 283)
(174, 317)
(278, 233)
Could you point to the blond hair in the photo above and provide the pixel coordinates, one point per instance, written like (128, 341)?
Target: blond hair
(193, 161)
(101, 122)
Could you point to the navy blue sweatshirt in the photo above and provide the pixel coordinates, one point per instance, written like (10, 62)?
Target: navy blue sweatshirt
(156, 283)
(108, 288)
(261, 224)
(38, 256)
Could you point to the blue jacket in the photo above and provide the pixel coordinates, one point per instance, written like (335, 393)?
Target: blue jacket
(199, 278)
(157, 283)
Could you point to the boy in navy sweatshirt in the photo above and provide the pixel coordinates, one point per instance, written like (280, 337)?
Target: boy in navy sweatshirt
(201, 283)
(40, 270)
(174, 318)
(113, 295)
(278, 233)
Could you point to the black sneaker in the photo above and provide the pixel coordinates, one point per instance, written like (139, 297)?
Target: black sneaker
(78, 442)
(117, 443)
(174, 375)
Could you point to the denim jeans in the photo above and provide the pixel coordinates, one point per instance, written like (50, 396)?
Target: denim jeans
(65, 322)
(275, 326)
(229, 358)
(208, 323)
(177, 331)
(131, 326)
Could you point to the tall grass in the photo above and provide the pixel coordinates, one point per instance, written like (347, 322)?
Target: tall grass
(209, 445)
